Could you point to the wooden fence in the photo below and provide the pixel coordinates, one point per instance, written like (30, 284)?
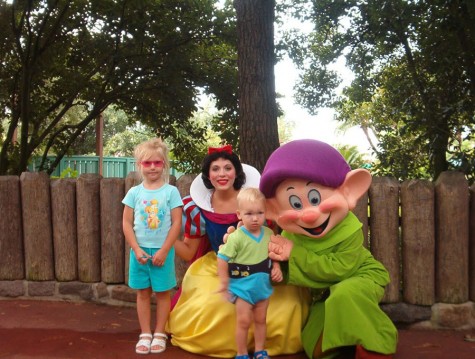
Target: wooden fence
(71, 230)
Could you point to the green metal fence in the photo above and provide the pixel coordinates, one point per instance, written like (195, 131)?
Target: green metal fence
(111, 166)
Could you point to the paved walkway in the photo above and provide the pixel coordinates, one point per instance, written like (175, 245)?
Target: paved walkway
(57, 330)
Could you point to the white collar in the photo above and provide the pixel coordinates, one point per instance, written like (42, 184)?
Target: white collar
(202, 195)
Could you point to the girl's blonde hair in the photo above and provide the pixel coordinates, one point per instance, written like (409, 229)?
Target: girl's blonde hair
(250, 194)
(148, 149)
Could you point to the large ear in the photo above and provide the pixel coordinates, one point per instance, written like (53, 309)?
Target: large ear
(272, 210)
(356, 183)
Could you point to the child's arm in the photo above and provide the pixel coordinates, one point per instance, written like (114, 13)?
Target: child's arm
(128, 228)
(276, 273)
(223, 275)
(173, 233)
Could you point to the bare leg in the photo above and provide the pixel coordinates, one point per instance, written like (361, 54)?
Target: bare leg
(144, 311)
(243, 322)
(260, 325)
(163, 310)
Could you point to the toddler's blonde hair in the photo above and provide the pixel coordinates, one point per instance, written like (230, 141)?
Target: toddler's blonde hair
(250, 194)
(148, 149)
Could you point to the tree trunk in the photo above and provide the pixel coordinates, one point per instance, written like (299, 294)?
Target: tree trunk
(257, 106)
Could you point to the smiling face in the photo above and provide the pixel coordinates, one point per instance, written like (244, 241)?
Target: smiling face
(307, 208)
(222, 174)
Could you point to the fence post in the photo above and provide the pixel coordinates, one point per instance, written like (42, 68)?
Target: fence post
(451, 218)
(37, 231)
(418, 241)
(89, 227)
(63, 206)
(12, 266)
(361, 211)
(384, 230)
(112, 235)
(184, 183)
(132, 179)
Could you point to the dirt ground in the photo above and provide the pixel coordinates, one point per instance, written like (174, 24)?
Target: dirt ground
(53, 329)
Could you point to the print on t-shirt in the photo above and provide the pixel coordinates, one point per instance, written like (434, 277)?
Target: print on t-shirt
(151, 214)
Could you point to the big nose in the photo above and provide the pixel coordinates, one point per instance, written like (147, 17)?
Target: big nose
(310, 216)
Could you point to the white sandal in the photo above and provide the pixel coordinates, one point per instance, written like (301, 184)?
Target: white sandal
(145, 340)
(160, 340)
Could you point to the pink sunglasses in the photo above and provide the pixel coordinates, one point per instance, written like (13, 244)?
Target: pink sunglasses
(150, 163)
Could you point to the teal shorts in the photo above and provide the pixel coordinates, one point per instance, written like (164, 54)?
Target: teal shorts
(159, 278)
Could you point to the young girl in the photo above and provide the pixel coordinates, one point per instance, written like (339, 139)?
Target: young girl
(151, 223)
(245, 270)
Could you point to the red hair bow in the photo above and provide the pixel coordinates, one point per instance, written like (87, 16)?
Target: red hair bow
(226, 148)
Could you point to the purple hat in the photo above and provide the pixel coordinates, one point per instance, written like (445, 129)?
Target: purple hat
(313, 160)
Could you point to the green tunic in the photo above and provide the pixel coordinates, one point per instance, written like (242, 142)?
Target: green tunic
(347, 284)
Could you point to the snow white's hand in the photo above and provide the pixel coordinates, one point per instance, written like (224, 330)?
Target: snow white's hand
(230, 230)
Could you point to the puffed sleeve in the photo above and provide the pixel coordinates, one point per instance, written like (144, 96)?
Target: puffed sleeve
(194, 224)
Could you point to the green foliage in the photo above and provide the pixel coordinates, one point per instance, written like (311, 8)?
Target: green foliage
(414, 68)
(69, 173)
(354, 158)
(120, 135)
(122, 144)
(64, 63)
(285, 129)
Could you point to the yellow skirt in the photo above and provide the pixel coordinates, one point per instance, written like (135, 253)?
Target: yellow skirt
(203, 322)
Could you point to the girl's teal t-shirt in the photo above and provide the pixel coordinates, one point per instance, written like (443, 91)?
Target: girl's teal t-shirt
(152, 212)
